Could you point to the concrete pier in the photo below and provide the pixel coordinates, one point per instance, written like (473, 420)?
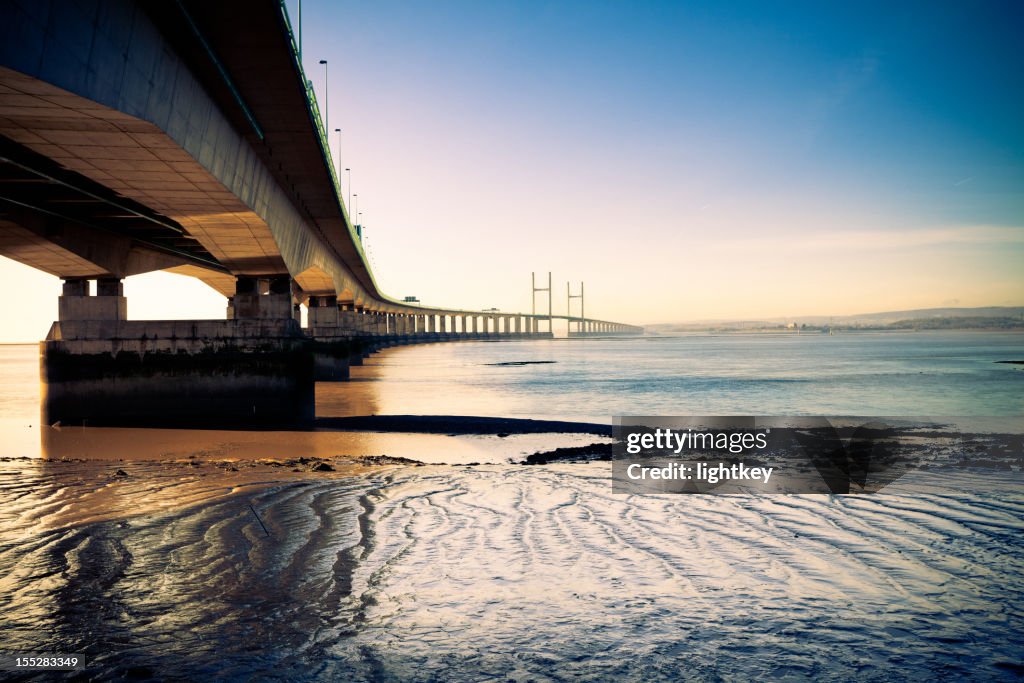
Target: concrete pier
(177, 373)
(98, 367)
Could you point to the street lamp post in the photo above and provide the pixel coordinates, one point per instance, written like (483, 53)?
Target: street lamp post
(338, 131)
(348, 182)
(327, 118)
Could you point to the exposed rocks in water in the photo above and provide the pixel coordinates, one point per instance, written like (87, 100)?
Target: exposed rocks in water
(321, 467)
(121, 473)
(517, 363)
(589, 453)
(459, 424)
(386, 460)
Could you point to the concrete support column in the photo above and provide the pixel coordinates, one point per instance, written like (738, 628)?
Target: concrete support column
(322, 312)
(263, 298)
(75, 303)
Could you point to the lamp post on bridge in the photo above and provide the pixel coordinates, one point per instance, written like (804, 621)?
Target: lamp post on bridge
(338, 131)
(327, 117)
(348, 181)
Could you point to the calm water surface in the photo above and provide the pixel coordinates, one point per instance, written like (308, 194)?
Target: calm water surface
(919, 374)
(945, 373)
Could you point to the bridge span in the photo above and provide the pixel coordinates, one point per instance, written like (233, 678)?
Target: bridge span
(184, 136)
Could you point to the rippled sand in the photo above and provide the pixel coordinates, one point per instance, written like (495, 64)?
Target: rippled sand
(501, 571)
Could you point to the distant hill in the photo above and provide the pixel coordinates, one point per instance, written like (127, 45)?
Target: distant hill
(985, 317)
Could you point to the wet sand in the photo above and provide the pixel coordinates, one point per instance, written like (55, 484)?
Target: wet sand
(89, 474)
(385, 570)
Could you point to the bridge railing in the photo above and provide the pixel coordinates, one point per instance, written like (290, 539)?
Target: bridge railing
(314, 111)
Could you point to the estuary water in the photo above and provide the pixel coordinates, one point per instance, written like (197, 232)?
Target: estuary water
(186, 563)
(920, 374)
(890, 374)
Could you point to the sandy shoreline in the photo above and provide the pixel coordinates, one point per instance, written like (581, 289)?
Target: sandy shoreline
(102, 474)
(398, 572)
(67, 491)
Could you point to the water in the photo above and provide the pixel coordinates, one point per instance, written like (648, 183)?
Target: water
(507, 572)
(919, 374)
(922, 374)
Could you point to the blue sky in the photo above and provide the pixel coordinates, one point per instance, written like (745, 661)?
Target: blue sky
(673, 124)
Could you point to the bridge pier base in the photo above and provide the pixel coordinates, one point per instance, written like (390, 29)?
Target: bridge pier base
(177, 373)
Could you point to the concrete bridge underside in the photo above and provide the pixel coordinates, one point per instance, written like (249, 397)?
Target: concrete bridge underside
(182, 136)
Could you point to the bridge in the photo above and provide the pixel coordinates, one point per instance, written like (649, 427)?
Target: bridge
(184, 136)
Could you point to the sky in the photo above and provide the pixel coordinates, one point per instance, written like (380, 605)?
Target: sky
(687, 161)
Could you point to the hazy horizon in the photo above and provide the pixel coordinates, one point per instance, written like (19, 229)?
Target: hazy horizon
(685, 162)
